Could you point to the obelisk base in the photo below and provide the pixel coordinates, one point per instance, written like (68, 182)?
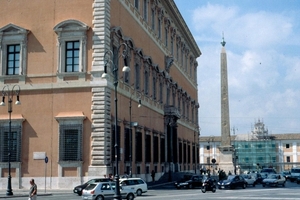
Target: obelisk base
(226, 161)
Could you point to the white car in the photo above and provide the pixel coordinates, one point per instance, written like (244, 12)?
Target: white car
(274, 180)
(106, 191)
(251, 180)
(138, 184)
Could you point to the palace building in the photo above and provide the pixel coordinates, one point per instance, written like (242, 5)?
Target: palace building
(78, 114)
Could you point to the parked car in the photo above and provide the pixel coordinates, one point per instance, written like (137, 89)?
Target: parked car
(286, 174)
(193, 182)
(295, 173)
(139, 185)
(105, 191)
(274, 180)
(232, 181)
(251, 180)
(298, 180)
(78, 189)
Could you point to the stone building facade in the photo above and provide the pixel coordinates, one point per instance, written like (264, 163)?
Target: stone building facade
(254, 151)
(55, 52)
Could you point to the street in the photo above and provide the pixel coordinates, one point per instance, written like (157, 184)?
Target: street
(290, 192)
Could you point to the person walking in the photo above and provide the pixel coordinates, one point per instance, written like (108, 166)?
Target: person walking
(33, 190)
(153, 175)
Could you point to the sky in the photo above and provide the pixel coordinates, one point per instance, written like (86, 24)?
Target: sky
(263, 62)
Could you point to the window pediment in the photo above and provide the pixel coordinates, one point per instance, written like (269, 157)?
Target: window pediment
(70, 25)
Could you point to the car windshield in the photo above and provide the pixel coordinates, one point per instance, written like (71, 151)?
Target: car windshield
(230, 177)
(272, 176)
(90, 186)
(267, 170)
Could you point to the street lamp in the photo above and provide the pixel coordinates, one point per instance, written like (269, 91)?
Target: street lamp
(130, 135)
(108, 58)
(10, 93)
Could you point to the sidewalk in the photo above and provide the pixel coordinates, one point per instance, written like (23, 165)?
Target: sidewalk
(25, 193)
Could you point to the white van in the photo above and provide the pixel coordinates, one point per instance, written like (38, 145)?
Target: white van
(138, 184)
(295, 173)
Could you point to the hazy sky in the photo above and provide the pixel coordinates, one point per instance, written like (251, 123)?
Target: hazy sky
(263, 59)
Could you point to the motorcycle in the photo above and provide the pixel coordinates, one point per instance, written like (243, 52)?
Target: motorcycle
(208, 185)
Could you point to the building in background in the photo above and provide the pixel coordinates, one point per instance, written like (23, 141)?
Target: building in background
(55, 52)
(254, 151)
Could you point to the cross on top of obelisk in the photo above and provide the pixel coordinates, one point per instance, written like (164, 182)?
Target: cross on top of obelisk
(223, 41)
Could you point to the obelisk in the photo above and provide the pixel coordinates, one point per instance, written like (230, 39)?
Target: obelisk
(226, 150)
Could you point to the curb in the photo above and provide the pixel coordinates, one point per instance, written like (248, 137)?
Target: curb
(22, 195)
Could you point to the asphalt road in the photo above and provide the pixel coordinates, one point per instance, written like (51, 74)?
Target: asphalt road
(290, 192)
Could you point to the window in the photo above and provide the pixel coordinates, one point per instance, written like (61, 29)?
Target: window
(146, 83)
(155, 148)
(13, 59)
(13, 52)
(139, 147)
(70, 138)
(15, 143)
(148, 148)
(208, 160)
(162, 150)
(137, 77)
(145, 10)
(127, 144)
(70, 142)
(154, 87)
(161, 92)
(71, 49)
(153, 18)
(287, 146)
(288, 159)
(136, 4)
(72, 56)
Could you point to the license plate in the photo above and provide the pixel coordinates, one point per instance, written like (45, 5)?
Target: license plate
(222, 187)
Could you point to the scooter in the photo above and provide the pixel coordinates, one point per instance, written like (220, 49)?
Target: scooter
(208, 185)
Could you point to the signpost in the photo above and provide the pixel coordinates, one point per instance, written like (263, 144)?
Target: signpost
(46, 161)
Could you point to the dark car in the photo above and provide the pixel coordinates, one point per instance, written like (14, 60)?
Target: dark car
(286, 174)
(78, 189)
(193, 181)
(232, 181)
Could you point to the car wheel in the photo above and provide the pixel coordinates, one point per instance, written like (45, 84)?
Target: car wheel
(139, 192)
(283, 185)
(253, 184)
(130, 197)
(99, 198)
(244, 186)
(264, 185)
(191, 186)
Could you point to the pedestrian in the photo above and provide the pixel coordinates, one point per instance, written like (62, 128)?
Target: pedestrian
(153, 175)
(33, 190)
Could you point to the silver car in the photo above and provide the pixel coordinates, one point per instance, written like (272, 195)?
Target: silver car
(105, 191)
(274, 180)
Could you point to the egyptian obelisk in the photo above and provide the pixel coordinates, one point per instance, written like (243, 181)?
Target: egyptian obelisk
(226, 150)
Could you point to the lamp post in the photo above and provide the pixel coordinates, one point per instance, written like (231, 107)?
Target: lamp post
(130, 135)
(10, 93)
(115, 73)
